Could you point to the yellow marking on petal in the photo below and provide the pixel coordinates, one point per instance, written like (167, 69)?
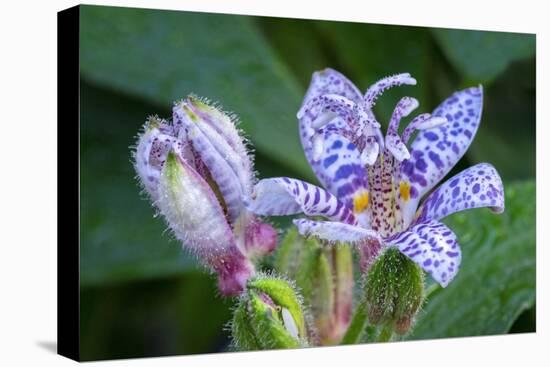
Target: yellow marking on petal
(360, 202)
(405, 190)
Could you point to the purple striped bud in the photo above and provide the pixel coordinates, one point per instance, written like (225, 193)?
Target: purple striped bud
(196, 170)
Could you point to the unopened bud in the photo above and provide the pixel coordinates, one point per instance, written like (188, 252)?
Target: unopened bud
(394, 291)
(269, 316)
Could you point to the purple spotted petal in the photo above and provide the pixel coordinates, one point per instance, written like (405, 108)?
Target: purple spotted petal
(329, 81)
(341, 168)
(433, 246)
(322, 110)
(475, 187)
(435, 151)
(287, 196)
(317, 112)
(336, 232)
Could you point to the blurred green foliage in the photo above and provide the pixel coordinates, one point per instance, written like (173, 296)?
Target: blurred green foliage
(141, 295)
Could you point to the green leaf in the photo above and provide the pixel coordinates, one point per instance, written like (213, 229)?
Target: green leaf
(303, 55)
(506, 135)
(163, 56)
(481, 56)
(496, 281)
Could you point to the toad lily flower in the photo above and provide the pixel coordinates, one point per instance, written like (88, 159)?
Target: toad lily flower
(374, 183)
(196, 169)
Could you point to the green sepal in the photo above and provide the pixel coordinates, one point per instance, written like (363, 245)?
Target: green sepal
(268, 325)
(394, 291)
(283, 295)
(296, 257)
(322, 297)
(244, 337)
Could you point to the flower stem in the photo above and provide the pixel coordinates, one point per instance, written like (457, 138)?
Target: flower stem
(357, 326)
(385, 334)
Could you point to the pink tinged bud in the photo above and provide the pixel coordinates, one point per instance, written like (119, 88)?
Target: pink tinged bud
(233, 272)
(368, 252)
(260, 239)
(196, 218)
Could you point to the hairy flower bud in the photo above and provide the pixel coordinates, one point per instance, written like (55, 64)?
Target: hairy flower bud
(393, 290)
(194, 214)
(269, 316)
(197, 171)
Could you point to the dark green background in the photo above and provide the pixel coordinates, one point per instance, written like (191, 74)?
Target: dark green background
(141, 295)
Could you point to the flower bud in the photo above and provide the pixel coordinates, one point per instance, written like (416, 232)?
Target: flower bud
(196, 170)
(394, 290)
(269, 316)
(196, 218)
(217, 143)
(260, 239)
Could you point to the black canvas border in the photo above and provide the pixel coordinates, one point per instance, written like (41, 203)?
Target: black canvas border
(68, 182)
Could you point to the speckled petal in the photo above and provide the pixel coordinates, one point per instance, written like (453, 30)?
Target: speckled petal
(476, 187)
(421, 122)
(336, 232)
(435, 151)
(336, 120)
(322, 110)
(287, 196)
(329, 81)
(433, 246)
(342, 170)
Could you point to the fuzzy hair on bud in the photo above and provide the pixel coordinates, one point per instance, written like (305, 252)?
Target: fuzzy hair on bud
(196, 217)
(393, 290)
(269, 315)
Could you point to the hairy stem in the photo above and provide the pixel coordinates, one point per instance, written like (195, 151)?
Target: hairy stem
(357, 326)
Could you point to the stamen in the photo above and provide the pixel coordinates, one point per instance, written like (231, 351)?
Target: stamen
(397, 148)
(393, 143)
(323, 119)
(380, 86)
(318, 146)
(370, 151)
(403, 108)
